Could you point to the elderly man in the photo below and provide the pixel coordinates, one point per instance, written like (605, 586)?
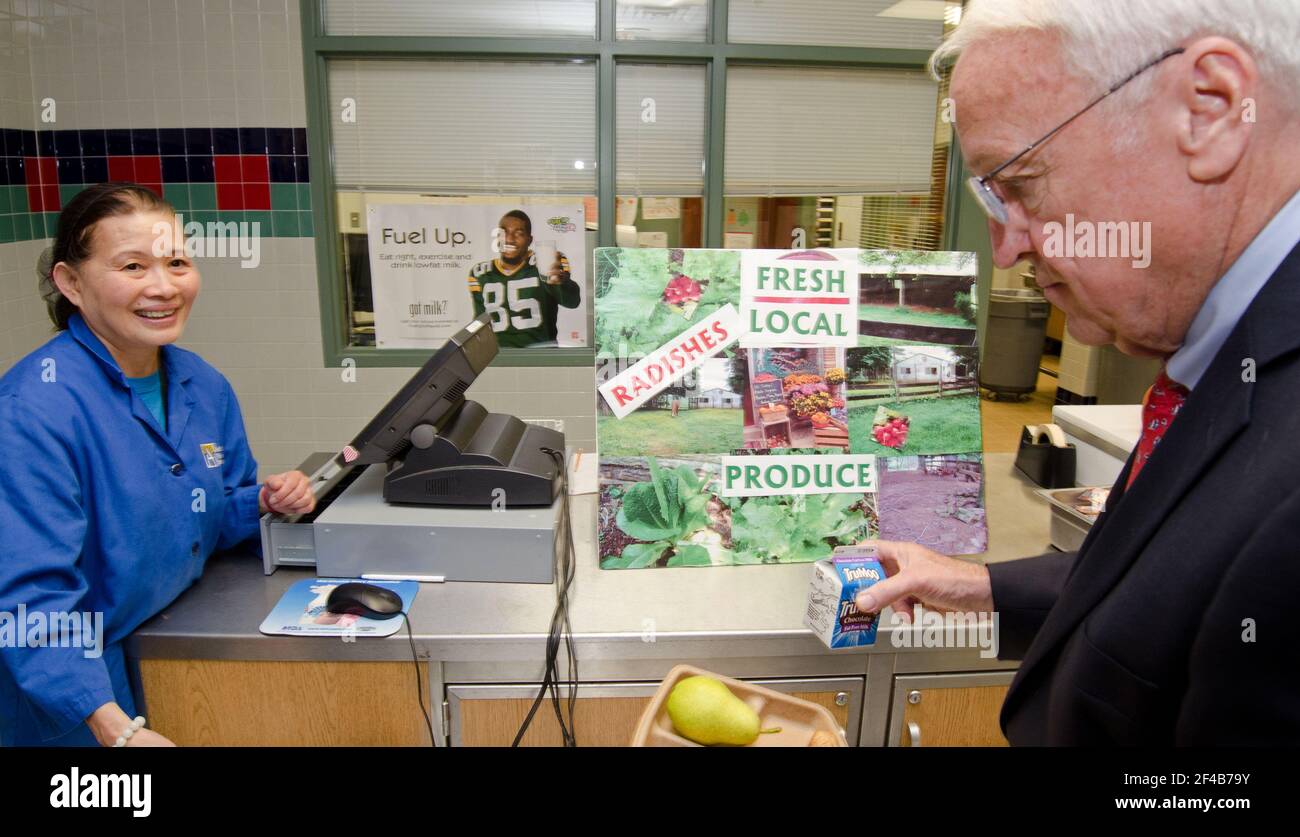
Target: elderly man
(1176, 622)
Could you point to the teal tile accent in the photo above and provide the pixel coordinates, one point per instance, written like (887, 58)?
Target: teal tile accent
(205, 216)
(51, 224)
(18, 199)
(178, 195)
(260, 217)
(305, 226)
(304, 195)
(69, 191)
(284, 196)
(22, 226)
(7, 229)
(284, 224)
(4, 200)
(203, 196)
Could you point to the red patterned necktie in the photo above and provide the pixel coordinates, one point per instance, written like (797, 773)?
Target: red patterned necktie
(1163, 401)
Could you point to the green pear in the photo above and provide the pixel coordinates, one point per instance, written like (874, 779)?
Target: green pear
(704, 710)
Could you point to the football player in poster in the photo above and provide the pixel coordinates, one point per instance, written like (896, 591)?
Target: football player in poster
(523, 296)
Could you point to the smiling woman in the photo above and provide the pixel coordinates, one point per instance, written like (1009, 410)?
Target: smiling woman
(126, 465)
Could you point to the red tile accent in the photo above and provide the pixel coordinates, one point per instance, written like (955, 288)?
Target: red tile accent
(254, 169)
(32, 172)
(257, 195)
(50, 197)
(230, 196)
(148, 169)
(226, 168)
(50, 172)
(122, 169)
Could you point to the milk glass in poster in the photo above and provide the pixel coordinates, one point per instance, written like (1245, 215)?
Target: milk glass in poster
(435, 267)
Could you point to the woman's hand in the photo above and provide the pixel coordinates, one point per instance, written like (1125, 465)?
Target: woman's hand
(287, 493)
(109, 721)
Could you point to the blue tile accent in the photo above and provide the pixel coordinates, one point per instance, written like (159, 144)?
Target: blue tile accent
(67, 143)
(225, 141)
(281, 169)
(300, 140)
(144, 141)
(174, 170)
(118, 140)
(300, 163)
(45, 143)
(94, 169)
(200, 168)
(252, 141)
(279, 140)
(171, 141)
(69, 170)
(10, 143)
(93, 142)
(198, 140)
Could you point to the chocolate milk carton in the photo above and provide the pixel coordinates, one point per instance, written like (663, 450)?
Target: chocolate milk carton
(836, 581)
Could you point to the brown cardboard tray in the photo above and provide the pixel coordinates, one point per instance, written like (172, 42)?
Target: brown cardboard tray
(798, 719)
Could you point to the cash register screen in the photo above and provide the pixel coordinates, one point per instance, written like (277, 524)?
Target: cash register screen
(432, 394)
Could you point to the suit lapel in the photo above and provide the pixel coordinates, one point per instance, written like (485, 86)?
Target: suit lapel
(1215, 412)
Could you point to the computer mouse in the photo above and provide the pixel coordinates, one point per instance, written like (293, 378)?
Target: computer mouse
(368, 600)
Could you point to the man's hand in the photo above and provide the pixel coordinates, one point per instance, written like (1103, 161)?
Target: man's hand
(917, 575)
(287, 493)
(557, 275)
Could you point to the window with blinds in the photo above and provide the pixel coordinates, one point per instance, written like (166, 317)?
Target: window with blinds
(460, 18)
(898, 24)
(813, 130)
(464, 127)
(659, 131)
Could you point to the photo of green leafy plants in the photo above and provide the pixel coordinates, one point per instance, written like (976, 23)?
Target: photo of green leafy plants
(660, 512)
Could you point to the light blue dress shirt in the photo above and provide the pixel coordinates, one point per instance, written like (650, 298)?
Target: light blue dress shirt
(1233, 293)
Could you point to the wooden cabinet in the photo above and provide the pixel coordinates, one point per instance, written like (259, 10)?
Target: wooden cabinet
(948, 710)
(240, 703)
(606, 714)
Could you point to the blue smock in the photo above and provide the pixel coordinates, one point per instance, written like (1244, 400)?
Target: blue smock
(102, 511)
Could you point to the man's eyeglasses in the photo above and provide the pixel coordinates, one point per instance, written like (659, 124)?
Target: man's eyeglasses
(990, 201)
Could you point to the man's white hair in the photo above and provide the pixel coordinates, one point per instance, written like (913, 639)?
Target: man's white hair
(1105, 40)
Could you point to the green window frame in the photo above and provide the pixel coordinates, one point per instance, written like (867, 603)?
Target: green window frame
(715, 54)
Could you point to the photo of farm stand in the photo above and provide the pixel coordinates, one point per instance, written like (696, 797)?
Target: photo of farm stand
(936, 501)
(700, 412)
(905, 400)
(793, 397)
(910, 297)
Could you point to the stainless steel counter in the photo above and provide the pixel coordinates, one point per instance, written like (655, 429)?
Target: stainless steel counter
(630, 626)
(662, 613)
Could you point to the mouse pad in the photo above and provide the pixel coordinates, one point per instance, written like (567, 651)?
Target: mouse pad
(301, 611)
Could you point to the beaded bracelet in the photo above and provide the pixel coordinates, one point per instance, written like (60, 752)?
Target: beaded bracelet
(130, 731)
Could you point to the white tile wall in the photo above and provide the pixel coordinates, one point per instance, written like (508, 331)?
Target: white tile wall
(222, 63)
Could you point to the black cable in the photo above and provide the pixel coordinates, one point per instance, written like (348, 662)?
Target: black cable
(419, 683)
(561, 629)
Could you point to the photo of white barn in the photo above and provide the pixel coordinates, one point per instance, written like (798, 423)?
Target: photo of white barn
(925, 366)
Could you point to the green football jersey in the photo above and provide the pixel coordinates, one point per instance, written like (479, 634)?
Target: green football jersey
(522, 304)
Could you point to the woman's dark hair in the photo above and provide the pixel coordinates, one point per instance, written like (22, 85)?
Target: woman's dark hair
(72, 242)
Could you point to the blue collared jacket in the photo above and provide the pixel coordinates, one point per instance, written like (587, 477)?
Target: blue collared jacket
(101, 512)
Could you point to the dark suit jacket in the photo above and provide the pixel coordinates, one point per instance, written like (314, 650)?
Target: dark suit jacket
(1178, 621)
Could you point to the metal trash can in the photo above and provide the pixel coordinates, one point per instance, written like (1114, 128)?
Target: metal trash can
(1013, 343)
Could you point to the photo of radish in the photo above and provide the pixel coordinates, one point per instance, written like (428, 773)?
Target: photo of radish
(890, 428)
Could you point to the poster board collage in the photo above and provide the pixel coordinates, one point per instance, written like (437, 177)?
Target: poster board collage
(765, 406)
